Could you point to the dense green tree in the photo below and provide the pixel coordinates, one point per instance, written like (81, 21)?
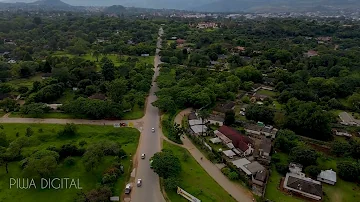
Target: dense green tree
(166, 165)
(229, 117)
(117, 90)
(93, 156)
(303, 155)
(260, 113)
(348, 170)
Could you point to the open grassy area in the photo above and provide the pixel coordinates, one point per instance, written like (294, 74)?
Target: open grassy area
(135, 113)
(195, 180)
(266, 92)
(50, 115)
(16, 83)
(127, 137)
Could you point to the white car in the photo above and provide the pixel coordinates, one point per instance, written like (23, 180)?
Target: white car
(153, 130)
(139, 182)
(142, 156)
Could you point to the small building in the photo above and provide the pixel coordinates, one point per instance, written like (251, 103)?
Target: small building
(216, 120)
(145, 55)
(75, 89)
(98, 96)
(224, 107)
(254, 167)
(241, 142)
(229, 153)
(196, 122)
(173, 38)
(311, 53)
(198, 129)
(301, 185)
(46, 75)
(215, 140)
(239, 49)
(12, 62)
(259, 178)
(240, 163)
(54, 106)
(327, 176)
(265, 147)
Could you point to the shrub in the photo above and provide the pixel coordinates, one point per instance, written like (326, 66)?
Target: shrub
(282, 168)
(313, 171)
(82, 143)
(69, 161)
(70, 130)
(171, 183)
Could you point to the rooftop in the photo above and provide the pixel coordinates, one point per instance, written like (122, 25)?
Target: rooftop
(302, 184)
(328, 175)
(254, 167)
(266, 145)
(239, 141)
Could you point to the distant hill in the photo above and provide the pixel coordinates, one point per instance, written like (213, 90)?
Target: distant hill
(276, 5)
(117, 9)
(52, 3)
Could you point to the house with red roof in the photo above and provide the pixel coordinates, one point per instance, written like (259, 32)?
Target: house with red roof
(241, 142)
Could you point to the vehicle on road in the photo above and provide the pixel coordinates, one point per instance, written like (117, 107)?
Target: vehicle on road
(139, 182)
(153, 130)
(123, 124)
(151, 163)
(142, 156)
(128, 189)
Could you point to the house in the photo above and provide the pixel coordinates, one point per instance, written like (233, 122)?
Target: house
(229, 153)
(324, 38)
(222, 137)
(46, 75)
(241, 142)
(224, 107)
(260, 178)
(75, 89)
(11, 61)
(265, 147)
(327, 176)
(98, 96)
(54, 106)
(173, 38)
(180, 41)
(311, 53)
(145, 55)
(254, 167)
(198, 129)
(301, 185)
(215, 140)
(240, 163)
(259, 97)
(196, 122)
(9, 42)
(253, 129)
(216, 120)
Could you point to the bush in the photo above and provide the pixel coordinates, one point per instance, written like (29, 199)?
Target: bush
(109, 179)
(312, 171)
(70, 150)
(171, 183)
(70, 130)
(282, 168)
(69, 161)
(82, 143)
(233, 176)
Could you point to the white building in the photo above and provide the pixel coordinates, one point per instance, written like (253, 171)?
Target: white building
(327, 176)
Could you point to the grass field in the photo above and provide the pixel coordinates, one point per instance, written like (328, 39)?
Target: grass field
(127, 137)
(195, 180)
(50, 115)
(266, 92)
(16, 83)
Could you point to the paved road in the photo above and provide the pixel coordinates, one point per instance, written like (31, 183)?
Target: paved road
(235, 190)
(149, 144)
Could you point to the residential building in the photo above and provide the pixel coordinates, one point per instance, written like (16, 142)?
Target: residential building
(327, 176)
(206, 25)
(98, 96)
(224, 107)
(198, 129)
(145, 55)
(241, 142)
(301, 185)
(240, 163)
(192, 116)
(229, 153)
(46, 75)
(265, 147)
(12, 62)
(180, 41)
(216, 120)
(222, 137)
(340, 132)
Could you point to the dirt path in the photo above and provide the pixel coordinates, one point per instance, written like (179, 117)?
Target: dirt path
(235, 190)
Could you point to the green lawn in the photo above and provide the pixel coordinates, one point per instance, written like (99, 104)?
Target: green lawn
(127, 137)
(195, 180)
(135, 113)
(50, 115)
(16, 83)
(266, 92)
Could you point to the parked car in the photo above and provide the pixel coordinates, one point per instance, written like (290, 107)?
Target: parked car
(139, 182)
(128, 189)
(142, 156)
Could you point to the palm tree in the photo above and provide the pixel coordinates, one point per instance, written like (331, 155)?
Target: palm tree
(203, 114)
